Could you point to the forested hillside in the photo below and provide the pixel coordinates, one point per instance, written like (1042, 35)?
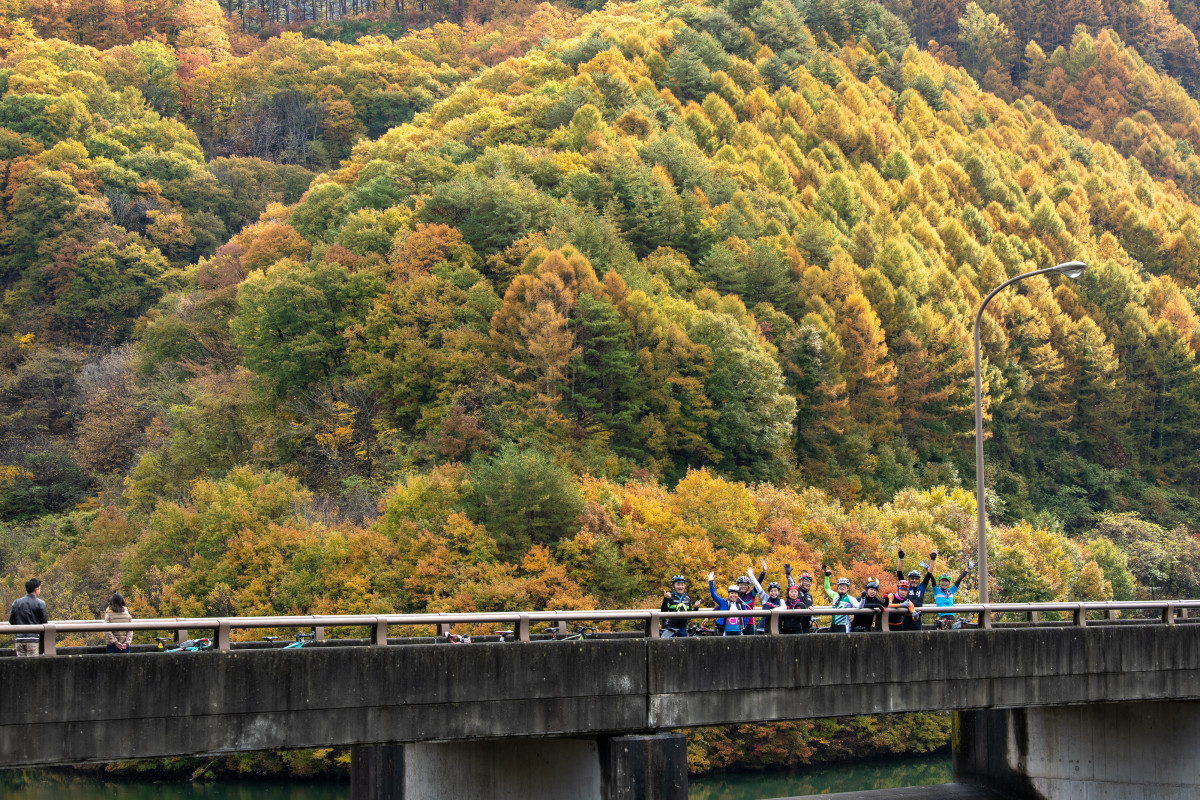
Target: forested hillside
(350, 306)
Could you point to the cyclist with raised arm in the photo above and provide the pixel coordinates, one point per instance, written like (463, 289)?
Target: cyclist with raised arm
(771, 598)
(798, 596)
(918, 585)
(943, 596)
(840, 599)
(676, 599)
(747, 595)
(732, 626)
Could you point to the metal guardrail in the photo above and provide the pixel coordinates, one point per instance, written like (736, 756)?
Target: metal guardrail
(1167, 613)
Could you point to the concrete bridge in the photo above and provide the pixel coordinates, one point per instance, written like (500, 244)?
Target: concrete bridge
(1099, 709)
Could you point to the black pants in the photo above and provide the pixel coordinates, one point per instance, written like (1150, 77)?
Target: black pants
(843, 628)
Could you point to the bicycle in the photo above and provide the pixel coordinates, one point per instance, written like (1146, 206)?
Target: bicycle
(458, 638)
(505, 636)
(301, 640)
(700, 629)
(581, 632)
(189, 646)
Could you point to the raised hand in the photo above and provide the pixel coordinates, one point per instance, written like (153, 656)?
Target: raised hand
(901, 554)
(712, 576)
(933, 556)
(787, 569)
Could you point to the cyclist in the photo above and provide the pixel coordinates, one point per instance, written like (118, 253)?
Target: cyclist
(943, 596)
(732, 626)
(676, 599)
(909, 621)
(918, 585)
(870, 599)
(771, 597)
(803, 597)
(746, 595)
(840, 599)
(797, 596)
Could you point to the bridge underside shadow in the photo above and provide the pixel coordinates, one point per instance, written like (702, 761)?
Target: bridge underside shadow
(1104, 751)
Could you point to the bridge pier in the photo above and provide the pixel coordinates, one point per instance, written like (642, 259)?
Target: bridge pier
(1102, 751)
(650, 767)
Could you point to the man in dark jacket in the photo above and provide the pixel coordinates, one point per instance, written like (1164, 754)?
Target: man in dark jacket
(28, 610)
(676, 599)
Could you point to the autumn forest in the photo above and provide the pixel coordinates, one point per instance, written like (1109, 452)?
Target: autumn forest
(400, 305)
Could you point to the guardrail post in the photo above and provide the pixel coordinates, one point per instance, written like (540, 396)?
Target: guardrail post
(563, 628)
(885, 618)
(1079, 616)
(1110, 614)
(522, 632)
(223, 636)
(48, 640)
(985, 619)
(654, 625)
(1183, 613)
(381, 627)
(443, 629)
(1168, 616)
(773, 622)
(318, 633)
(181, 635)
(1032, 616)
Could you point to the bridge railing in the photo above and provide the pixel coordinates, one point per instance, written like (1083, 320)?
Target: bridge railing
(1165, 612)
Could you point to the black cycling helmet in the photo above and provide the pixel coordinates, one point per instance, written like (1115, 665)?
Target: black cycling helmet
(742, 579)
(773, 585)
(872, 584)
(679, 579)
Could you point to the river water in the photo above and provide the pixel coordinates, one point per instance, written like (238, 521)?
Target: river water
(855, 776)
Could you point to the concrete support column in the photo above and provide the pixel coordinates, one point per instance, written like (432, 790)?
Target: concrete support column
(644, 767)
(377, 772)
(610, 768)
(1107, 751)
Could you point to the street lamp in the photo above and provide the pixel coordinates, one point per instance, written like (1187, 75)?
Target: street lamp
(1072, 269)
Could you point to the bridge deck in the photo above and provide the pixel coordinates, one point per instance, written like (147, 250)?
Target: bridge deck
(71, 709)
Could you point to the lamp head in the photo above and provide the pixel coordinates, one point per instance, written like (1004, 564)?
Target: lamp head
(1072, 269)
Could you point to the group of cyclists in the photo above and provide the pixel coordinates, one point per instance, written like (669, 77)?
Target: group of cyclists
(747, 593)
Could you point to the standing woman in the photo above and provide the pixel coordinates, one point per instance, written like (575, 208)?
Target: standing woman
(733, 626)
(118, 641)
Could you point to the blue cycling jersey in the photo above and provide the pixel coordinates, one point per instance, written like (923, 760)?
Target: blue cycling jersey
(944, 598)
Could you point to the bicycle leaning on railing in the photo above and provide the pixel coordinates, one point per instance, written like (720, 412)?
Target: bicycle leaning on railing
(187, 646)
(301, 639)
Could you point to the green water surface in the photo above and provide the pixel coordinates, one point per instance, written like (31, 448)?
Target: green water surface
(855, 776)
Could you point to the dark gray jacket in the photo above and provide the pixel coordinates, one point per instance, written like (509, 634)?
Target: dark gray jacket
(28, 610)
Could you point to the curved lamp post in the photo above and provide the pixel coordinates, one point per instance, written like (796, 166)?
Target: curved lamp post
(1072, 269)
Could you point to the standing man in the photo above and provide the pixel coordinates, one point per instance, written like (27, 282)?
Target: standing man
(917, 586)
(676, 599)
(28, 610)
